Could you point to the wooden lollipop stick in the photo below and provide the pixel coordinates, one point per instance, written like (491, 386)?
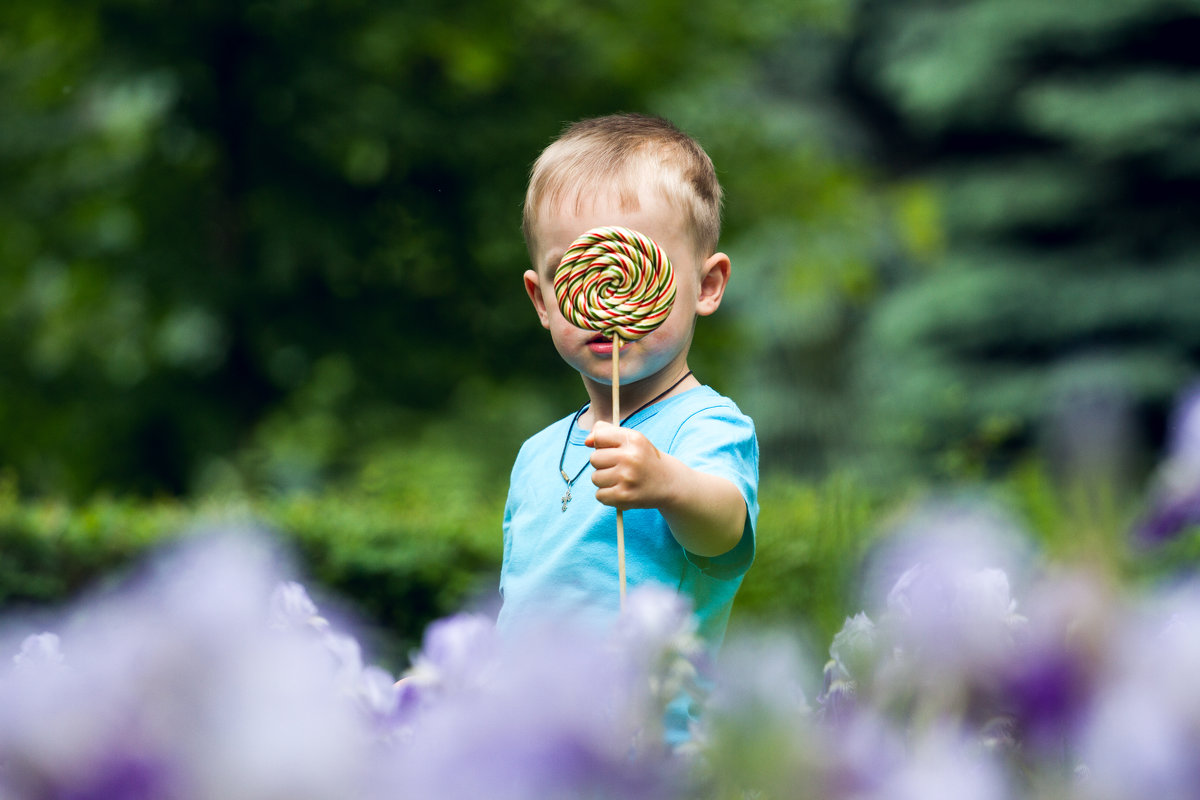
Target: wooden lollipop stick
(616, 404)
(619, 282)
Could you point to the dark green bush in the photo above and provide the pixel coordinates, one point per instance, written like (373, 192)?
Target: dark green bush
(811, 539)
(392, 558)
(417, 536)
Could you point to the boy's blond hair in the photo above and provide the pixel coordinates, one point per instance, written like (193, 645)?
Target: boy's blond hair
(619, 153)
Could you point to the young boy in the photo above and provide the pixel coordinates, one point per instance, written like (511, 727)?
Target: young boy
(683, 465)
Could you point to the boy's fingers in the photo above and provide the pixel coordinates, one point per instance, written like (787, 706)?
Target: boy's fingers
(605, 434)
(604, 458)
(604, 479)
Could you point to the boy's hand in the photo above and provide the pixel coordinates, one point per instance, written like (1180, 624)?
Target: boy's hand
(706, 513)
(630, 471)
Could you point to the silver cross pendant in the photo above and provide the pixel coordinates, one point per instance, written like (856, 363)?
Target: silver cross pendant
(566, 498)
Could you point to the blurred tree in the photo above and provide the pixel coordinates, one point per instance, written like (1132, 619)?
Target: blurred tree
(252, 236)
(1062, 141)
(810, 228)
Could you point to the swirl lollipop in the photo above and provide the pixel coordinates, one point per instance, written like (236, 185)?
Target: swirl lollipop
(620, 283)
(615, 281)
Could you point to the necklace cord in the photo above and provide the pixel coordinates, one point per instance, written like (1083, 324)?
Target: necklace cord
(567, 440)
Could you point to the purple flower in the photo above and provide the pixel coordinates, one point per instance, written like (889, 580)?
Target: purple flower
(1174, 503)
(458, 646)
(291, 608)
(949, 621)
(860, 756)
(854, 657)
(550, 713)
(1137, 746)
(179, 686)
(1049, 683)
(656, 636)
(459, 657)
(1142, 737)
(942, 765)
(1184, 429)
(1172, 514)
(118, 778)
(459, 654)
(951, 618)
(838, 698)
(950, 537)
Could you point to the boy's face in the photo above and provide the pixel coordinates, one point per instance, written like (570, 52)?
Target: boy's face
(659, 357)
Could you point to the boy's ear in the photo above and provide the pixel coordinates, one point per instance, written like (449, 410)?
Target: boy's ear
(714, 277)
(533, 288)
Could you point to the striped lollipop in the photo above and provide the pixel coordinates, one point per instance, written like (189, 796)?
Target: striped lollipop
(616, 281)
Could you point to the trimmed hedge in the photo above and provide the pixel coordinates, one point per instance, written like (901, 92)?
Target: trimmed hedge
(417, 536)
(411, 540)
(391, 560)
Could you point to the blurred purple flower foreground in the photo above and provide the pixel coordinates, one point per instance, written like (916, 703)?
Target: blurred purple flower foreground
(954, 687)
(1174, 503)
(213, 676)
(973, 672)
(186, 684)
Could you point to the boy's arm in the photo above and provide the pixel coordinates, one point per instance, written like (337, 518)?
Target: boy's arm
(706, 513)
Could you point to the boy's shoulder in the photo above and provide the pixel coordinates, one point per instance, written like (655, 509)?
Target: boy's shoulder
(702, 401)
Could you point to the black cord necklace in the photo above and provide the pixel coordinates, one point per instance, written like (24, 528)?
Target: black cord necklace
(566, 498)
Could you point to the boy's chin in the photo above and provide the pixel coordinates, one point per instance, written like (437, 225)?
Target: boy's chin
(604, 377)
(597, 367)
(594, 377)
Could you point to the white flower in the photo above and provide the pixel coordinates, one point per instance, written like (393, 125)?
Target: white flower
(292, 609)
(855, 648)
(39, 651)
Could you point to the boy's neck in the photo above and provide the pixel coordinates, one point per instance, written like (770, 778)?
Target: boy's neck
(634, 396)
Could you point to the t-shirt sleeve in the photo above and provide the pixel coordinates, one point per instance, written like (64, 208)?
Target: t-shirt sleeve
(719, 440)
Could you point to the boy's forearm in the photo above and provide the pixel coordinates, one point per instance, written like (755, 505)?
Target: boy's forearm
(706, 513)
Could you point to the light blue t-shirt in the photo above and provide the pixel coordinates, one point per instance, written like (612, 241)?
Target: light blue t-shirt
(563, 563)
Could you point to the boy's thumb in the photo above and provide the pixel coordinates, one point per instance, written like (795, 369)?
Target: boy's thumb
(599, 426)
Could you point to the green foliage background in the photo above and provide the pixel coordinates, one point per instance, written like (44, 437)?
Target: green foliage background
(265, 256)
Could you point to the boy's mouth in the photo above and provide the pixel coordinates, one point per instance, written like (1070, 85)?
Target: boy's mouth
(601, 345)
